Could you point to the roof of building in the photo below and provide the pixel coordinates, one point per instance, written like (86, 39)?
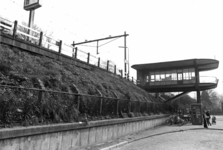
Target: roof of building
(203, 65)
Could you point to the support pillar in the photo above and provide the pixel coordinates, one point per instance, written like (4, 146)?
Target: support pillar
(198, 96)
(197, 77)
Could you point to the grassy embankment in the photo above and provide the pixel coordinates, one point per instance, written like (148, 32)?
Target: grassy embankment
(18, 68)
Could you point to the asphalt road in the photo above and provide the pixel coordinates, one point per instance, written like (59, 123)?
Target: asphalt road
(187, 137)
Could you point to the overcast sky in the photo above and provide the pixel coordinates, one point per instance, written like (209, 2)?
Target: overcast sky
(159, 30)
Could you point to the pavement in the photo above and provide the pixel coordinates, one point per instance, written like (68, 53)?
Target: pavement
(170, 137)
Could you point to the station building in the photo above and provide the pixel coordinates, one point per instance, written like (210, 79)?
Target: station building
(177, 76)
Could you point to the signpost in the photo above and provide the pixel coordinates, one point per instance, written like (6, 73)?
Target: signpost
(31, 5)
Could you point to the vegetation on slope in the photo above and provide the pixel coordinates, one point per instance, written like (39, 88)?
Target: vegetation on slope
(18, 68)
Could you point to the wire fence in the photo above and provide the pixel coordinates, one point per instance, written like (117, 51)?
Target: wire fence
(31, 106)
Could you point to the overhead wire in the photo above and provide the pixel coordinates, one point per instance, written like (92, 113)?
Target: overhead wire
(15, 2)
(50, 20)
(108, 42)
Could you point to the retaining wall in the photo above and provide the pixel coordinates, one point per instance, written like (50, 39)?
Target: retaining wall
(72, 136)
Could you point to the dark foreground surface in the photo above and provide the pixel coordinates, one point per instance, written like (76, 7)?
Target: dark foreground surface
(174, 137)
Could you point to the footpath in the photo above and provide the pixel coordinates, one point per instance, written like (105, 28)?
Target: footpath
(162, 130)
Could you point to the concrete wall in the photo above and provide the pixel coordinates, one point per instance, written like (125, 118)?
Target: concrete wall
(74, 135)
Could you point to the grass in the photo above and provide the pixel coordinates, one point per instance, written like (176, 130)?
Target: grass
(19, 68)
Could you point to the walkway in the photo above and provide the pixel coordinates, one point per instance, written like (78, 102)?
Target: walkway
(186, 137)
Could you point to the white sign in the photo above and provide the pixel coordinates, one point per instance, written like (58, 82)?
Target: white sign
(31, 4)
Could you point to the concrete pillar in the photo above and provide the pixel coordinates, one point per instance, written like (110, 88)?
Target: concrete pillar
(197, 82)
(198, 96)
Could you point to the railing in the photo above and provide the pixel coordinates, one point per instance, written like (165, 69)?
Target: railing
(208, 79)
(202, 79)
(31, 106)
(93, 60)
(6, 25)
(23, 32)
(27, 33)
(50, 43)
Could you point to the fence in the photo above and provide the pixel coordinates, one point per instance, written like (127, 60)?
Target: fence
(23, 32)
(30, 106)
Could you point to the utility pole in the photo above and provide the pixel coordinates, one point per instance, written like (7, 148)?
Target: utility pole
(101, 39)
(125, 52)
(108, 38)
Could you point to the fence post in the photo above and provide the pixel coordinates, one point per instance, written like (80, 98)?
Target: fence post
(121, 73)
(99, 61)
(153, 108)
(147, 108)
(139, 107)
(40, 96)
(132, 80)
(40, 38)
(117, 107)
(75, 54)
(107, 65)
(115, 69)
(129, 106)
(60, 46)
(78, 103)
(15, 28)
(101, 103)
(88, 58)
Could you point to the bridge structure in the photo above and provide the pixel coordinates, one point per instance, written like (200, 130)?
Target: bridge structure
(177, 76)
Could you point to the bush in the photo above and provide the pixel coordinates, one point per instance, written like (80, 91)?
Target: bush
(5, 68)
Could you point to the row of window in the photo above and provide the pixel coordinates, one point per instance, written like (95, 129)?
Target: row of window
(173, 75)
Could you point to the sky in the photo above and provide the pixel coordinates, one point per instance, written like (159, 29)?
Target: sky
(159, 30)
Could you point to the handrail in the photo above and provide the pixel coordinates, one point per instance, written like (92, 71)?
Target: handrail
(202, 79)
(213, 79)
(5, 26)
(28, 35)
(6, 23)
(29, 28)
(44, 41)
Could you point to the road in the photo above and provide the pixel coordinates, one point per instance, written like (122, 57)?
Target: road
(186, 137)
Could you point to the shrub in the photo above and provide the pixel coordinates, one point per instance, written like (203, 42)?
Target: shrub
(5, 68)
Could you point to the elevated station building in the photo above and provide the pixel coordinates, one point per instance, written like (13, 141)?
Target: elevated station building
(177, 76)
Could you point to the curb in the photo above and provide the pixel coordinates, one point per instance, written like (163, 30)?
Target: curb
(115, 146)
(131, 141)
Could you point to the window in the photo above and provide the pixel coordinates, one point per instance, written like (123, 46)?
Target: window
(168, 75)
(157, 77)
(179, 76)
(162, 76)
(147, 78)
(152, 77)
(174, 75)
